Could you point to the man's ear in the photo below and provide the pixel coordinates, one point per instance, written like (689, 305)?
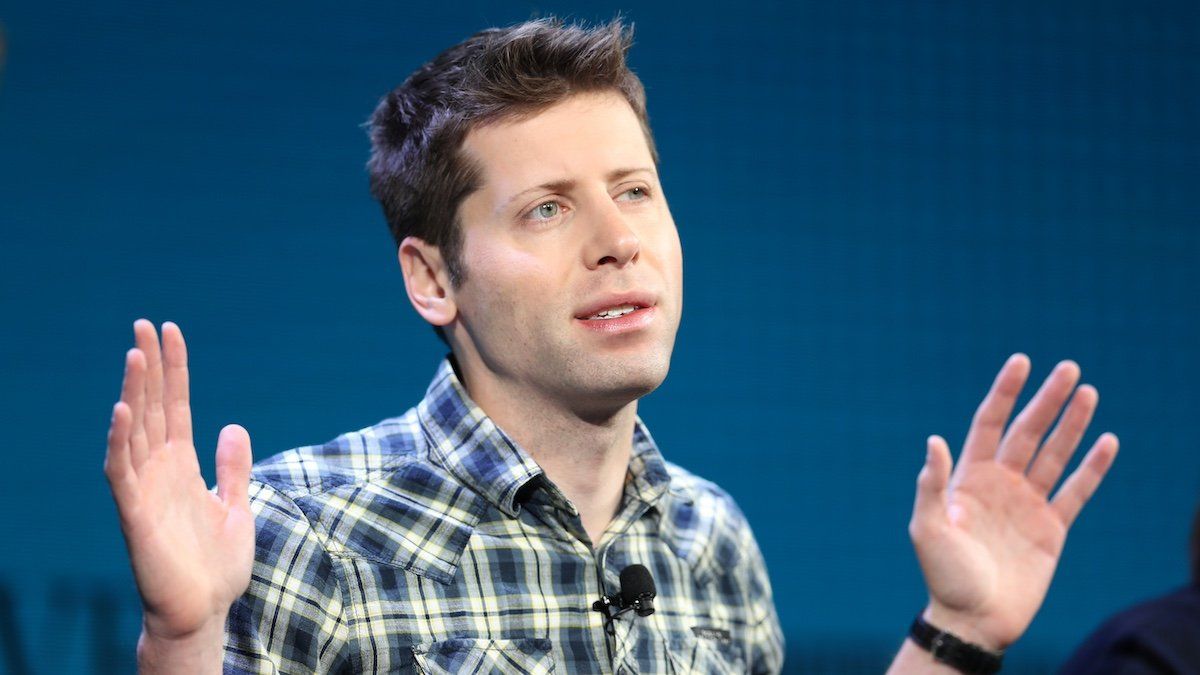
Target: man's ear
(427, 281)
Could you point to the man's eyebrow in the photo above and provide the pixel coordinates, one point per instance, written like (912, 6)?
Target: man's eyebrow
(618, 174)
(566, 184)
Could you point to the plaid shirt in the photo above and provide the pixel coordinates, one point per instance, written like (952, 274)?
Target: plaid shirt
(432, 543)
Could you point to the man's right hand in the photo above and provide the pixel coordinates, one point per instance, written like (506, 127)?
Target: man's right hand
(191, 550)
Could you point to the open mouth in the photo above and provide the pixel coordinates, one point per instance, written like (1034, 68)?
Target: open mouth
(613, 312)
(619, 313)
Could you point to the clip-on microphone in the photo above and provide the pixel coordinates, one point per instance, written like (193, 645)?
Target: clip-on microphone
(637, 594)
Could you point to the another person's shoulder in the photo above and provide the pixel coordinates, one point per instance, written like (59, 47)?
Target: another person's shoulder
(1158, 635)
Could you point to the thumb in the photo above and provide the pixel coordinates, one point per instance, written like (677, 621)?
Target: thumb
(930, 506)
(233, 464)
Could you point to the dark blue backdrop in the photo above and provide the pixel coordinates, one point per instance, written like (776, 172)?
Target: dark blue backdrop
(878, 202)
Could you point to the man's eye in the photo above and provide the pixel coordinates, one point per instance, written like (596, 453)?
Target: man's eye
(545, 211)
(637, 194)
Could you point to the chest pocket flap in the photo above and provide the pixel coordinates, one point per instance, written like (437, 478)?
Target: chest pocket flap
(469, 655)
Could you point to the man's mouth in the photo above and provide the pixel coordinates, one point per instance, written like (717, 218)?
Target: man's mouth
(613, 312)
(618, 313)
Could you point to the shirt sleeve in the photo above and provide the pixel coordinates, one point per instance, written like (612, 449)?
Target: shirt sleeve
(291, 619)
(766, 645)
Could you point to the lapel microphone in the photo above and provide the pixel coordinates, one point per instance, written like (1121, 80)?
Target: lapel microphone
(637, 594)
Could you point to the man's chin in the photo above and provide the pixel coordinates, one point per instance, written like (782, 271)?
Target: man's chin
(607, 390)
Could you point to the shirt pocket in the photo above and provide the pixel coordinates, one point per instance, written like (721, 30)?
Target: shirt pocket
(688, 654)
(470, 655)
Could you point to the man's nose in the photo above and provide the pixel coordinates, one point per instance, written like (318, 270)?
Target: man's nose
(614, 241)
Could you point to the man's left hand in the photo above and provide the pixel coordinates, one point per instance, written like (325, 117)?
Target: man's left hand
(989, 536)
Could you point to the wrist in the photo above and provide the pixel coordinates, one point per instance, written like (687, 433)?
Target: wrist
(968, 628)
(952, 650)
(197, 651)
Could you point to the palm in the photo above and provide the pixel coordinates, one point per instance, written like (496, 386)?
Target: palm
(1002, 530)
(988, 538)
(180, 536)
(191, 550)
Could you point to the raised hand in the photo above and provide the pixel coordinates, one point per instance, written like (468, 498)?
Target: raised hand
(191, 550)
(989, 536)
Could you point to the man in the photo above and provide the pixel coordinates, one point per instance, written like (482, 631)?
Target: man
(1160, 635)
(518, 175)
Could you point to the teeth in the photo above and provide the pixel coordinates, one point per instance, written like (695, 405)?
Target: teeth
(613, 312)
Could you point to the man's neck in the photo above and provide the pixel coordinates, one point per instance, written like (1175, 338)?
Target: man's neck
(587, 458)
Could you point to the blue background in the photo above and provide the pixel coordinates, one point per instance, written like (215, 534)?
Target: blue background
(878, 202)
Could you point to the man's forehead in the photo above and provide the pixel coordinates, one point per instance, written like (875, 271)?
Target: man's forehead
(587, 135)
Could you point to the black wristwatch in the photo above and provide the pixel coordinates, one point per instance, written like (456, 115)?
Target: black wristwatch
(951, 650)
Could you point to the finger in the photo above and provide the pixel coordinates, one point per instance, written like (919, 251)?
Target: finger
(1027, 430)
(133, 395)
(929, 509)
(988, 424)
(175, 385)
(122, 479)
(234, 458)
(1057, 450)
(1082, 483)
(147, 341)
(118, 467)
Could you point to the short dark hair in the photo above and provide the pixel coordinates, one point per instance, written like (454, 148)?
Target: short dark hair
(418, 172)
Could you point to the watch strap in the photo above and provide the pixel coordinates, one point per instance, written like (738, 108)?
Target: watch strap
(952, 650)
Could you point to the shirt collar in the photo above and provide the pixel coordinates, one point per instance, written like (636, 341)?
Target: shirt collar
(465, 441)
(650, 479)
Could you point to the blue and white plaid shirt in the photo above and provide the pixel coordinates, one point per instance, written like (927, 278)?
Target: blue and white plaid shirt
(431, 543)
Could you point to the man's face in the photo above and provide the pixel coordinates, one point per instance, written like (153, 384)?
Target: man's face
(570, 221)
